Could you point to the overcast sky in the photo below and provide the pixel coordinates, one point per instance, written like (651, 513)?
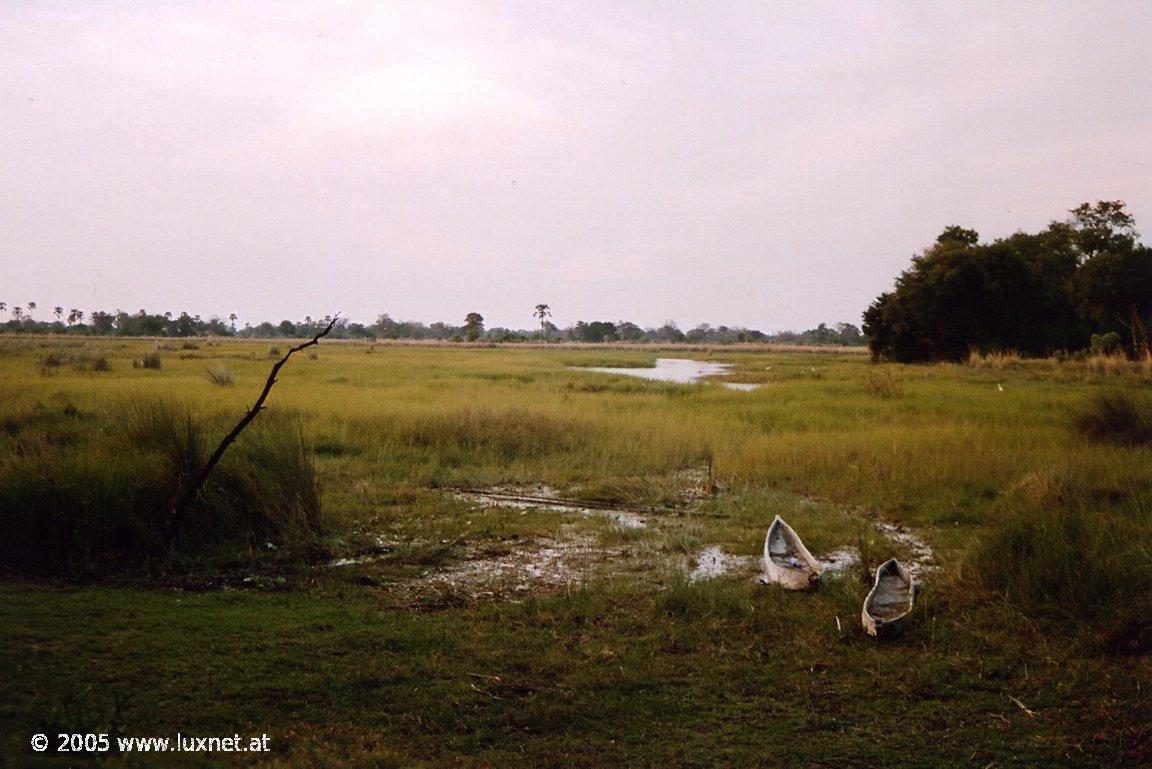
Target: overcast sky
(768, 164)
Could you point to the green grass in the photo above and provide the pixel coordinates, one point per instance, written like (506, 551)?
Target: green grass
(83, 496)
(1117, 417)
(346, 667)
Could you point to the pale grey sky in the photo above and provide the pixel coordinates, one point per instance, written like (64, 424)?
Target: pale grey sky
(769, 164)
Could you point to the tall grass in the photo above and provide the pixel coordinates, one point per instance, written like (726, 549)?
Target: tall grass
(1075, 564)
(220, 375)
(883, 383)
(1117, 416)
(149, 360)
(995, 359)
(77, 507)
(80, 360)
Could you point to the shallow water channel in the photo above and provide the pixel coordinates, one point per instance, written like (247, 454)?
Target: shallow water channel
(678, 370)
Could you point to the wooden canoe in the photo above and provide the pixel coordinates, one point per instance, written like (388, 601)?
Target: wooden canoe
(889, 602)
(786, 561)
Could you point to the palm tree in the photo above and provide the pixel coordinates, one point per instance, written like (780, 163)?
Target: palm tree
(17, 312)
(542, 312)
(31, 309)
(232, 317)
(3, 306)
(74, 317)
(58, 312)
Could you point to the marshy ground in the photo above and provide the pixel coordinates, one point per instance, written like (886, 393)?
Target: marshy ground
(448, 609)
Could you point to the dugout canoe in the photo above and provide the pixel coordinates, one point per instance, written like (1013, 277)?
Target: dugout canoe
(786, 561)
(889, 602)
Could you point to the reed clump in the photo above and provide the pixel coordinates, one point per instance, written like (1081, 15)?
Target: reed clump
(1117, 416)
(77, 500)
(883, 383)
(149, 360)
(220, 375)
(79, 360)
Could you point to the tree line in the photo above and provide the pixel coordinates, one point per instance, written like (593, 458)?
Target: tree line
(1063, 289)
(22, 319)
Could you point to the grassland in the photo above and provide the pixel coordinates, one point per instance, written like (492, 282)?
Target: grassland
(1030, 645)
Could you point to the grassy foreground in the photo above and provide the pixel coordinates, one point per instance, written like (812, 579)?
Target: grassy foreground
(1009, 661)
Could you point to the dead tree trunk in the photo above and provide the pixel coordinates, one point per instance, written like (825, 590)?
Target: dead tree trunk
(188, 497)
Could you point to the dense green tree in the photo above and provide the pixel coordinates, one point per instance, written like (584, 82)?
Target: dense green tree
(473, 326)
(596, 331)
(1030, 293)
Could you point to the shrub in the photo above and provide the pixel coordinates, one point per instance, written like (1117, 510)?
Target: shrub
(189, 346)
(150, 360)
(1118, 417)
(220, 375)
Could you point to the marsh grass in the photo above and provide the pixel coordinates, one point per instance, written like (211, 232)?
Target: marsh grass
(587, 673)
(1117, 416)
(884, 383)
(220, 375)
(995, 360)
(78, 500)
(80, 359)
(1073, 564)
(502, 434)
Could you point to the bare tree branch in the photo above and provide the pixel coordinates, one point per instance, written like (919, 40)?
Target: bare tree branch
(186, 499)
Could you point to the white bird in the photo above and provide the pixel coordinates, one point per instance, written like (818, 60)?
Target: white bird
(1000, 387)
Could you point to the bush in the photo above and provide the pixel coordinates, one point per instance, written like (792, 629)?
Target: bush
(220, 375)
(1117, 417)
(150, 360)
(99, 505)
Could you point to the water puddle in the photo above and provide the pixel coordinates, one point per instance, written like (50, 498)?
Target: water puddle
(679, 371)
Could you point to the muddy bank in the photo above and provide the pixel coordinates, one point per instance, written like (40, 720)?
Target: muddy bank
(517, 567)
(545, 497)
